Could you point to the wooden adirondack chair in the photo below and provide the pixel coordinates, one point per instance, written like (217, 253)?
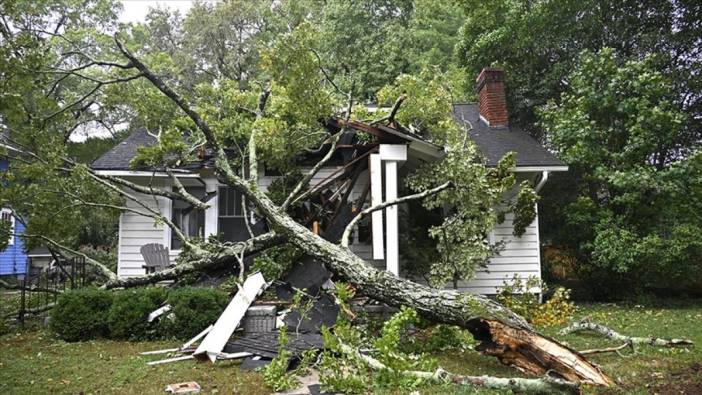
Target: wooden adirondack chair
(156, 257)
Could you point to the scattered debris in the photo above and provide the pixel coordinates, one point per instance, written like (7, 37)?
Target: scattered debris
(260, 319)
(266, 344)
(189, 387)
(254, 363)
(231, 317)
(158, 312)
(169, 360)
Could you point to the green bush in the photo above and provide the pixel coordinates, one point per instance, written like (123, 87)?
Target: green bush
(81, 314)
(194, 309)
(130, 309)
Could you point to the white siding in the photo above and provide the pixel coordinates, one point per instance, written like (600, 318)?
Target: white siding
(520, 255)
(136, 230)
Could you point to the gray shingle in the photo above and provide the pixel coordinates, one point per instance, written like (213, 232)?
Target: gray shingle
(119, 156)
(494, 143)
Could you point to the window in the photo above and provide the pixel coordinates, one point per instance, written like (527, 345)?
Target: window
(231, 215)
(229, 203)
(6, 216)
(189, 220)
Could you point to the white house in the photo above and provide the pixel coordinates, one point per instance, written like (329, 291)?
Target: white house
(376, 171)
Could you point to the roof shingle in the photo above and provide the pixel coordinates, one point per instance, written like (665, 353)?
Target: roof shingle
(494, 143)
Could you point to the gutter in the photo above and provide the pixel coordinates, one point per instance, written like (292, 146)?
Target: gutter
(544, 178)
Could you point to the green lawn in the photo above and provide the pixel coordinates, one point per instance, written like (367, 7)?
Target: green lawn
(34, 362)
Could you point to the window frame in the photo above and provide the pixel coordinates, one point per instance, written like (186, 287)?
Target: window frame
(8, 212)
(237, 205)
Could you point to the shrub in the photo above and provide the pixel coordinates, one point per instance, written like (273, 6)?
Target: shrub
(558, 309)
(81, 314)
(130, 309)
(194, 309)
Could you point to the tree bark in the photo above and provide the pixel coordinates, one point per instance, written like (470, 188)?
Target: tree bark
(225, 254)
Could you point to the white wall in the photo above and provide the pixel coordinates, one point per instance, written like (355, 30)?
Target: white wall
(136, 230)
(520, 256)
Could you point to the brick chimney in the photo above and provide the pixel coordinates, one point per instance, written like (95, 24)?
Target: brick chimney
(491, 97)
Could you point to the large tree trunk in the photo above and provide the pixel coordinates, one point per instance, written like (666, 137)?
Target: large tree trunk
(503, 333)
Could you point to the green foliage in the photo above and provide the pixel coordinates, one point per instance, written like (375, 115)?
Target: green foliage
(127, 317)
(428, 108)
(538, 44)
(462, 236)
(635, 194)
(518, 295)
(343, 372)
(524, 208)
(275, 261)
(193, 309)
(281, 187)
(81, 314)
(275, 374)
(437, 338)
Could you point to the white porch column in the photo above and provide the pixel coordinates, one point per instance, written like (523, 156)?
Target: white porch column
(212, 213)
(392, 260)
(392, 154)
(376, 180)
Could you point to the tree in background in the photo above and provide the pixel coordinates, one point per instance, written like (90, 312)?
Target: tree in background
(633, 208)
(538, 43)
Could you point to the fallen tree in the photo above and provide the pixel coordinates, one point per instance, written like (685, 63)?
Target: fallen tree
(504, 334)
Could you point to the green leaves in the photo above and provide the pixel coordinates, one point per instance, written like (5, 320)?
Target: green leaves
(636, 175)
(468, 209)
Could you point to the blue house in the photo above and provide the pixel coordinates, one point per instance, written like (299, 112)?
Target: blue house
(14, 259)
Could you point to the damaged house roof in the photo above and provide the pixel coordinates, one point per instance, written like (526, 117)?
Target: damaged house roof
(493, 142)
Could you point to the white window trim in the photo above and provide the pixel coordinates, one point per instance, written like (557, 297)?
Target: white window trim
(12, 225)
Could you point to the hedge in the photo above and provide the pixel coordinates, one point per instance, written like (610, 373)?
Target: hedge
(91, 313)
(127, 319)
(81, 314)
(194, 309)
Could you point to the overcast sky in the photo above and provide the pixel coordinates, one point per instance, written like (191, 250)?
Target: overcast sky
(135, 10)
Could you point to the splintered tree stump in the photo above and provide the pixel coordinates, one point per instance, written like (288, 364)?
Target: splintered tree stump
(535, 354)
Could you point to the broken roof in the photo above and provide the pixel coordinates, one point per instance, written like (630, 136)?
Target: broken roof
(495, 142)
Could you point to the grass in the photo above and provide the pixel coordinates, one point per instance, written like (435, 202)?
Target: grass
(648, 370)
(33, 362)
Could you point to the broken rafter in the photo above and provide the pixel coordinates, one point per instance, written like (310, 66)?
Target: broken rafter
(586, 325)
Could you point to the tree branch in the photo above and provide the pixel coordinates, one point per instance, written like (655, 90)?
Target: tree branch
(586, 325)
(421, 195)
(102, 270)
(171, 94)
(515, 384)
(201, 261)
(334, 142)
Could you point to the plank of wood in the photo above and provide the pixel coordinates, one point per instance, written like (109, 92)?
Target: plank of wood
(169, 360)
(215, 340)
(197, 337)
(158, 312)
(235, 355)
(156, 352)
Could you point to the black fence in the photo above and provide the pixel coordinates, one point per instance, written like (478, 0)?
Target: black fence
(40, 287)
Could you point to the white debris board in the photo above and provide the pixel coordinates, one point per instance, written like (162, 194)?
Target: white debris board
(215, 341)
